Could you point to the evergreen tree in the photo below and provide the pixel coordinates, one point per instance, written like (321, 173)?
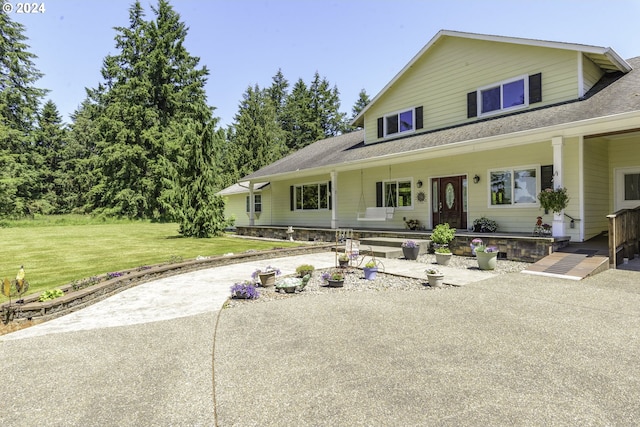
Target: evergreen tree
(151, 86)
(325, 103)
(19, 100)
(256, 138)
(298, 118)
(362, 101)
(278, 93)
(50, 138)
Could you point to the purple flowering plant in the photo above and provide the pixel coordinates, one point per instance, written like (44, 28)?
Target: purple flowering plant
(409, 244)
(332, 275)
(475, 244)
(244, 290)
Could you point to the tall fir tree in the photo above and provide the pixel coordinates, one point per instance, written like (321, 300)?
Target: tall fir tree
(19, 101)
(256, 139)
(152, 85)
(360, 104)
(298, 118)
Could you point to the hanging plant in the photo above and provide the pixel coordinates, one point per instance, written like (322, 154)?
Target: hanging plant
(554, 200)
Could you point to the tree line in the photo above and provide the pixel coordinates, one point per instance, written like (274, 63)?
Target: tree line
(144, 143)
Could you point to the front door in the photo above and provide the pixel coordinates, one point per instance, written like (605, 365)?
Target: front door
(448, 201)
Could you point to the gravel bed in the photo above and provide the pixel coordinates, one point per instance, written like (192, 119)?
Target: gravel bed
(355, 281)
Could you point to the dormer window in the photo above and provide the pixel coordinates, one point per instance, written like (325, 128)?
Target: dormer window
(505, 96)
(399, 122)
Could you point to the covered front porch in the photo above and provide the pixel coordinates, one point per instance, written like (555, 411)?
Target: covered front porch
(512, 246)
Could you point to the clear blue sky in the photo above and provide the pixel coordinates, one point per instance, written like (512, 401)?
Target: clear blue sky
(355, 44)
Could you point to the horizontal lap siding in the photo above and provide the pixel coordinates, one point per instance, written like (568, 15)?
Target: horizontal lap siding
(591, 74)
(441, 79)
(597, 204)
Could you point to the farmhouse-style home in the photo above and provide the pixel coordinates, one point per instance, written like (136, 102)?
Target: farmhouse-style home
(473, 126)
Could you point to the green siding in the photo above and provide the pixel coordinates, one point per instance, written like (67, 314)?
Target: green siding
(452, 67)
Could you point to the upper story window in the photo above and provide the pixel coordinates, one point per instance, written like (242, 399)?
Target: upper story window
(505, 96)
(399, 122)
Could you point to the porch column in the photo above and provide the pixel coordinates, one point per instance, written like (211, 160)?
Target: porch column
(252, 208)
(557, 143)
(334, 199)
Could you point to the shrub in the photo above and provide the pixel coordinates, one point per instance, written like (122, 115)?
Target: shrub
(443, 250)
(50, 294)
(485, 225)
(304, 269)
(443, 234)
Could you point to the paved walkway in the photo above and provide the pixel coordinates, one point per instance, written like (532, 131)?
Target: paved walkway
(508, 350)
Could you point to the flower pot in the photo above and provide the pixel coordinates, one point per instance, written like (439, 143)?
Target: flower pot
(370, 273)
(335, 283)
(487, 260)
(435, 280)
(268, 279)
(443, 259)
(343, 263)
(411, 253)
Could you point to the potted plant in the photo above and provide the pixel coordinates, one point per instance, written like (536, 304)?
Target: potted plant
(335, 278)
(304, 269)
(343, 260)
(410, 249)
(442, 235)
(474, 244)
(370, 270)
(436, 278)
(267, 276)
(554, 200)
(412, 224)
(487, 257)
(443, 255)
(244, 290)
(484, 225)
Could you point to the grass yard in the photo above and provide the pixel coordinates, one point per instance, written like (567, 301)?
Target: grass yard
(58, 250)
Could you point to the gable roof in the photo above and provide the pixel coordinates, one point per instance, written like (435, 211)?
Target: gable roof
(605, 57)
(614, 95)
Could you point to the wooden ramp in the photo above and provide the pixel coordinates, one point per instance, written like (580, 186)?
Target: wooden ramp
(574, 266)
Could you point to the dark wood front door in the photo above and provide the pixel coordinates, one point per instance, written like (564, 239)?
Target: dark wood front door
(448, 204)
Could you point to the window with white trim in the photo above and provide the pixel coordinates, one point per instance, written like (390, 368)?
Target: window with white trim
(514, 186)
(312, 196)
(397, 194)
(257, 203)
(627, 182)
(502, 96)
(399, 122)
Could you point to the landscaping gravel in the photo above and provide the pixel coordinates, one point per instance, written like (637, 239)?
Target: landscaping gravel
(355, 281)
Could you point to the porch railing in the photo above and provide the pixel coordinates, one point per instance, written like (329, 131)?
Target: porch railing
(624, 235)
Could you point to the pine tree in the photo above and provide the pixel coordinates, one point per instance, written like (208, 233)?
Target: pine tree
(19, 100)
(362, 101)
(256, 139)
(151, 85)
(299, 120)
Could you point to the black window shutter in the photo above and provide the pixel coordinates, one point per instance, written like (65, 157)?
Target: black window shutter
(472, 104)
(546, 177)
(379, 194)
(535, 88)
(380, 127)
(291, 198)
(419, 118)
(330, 198)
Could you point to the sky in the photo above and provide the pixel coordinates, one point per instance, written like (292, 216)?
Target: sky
(354, 44)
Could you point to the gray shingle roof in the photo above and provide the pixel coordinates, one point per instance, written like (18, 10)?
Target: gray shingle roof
(613, 95)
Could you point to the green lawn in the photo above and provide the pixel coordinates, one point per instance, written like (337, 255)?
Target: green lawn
(59, 250)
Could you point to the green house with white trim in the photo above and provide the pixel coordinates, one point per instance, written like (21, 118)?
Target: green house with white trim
(473, 126)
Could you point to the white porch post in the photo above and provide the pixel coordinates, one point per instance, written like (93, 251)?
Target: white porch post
(334, 199)
(252, 208)
(557, 143)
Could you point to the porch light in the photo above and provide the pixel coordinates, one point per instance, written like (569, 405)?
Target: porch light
(476, 179)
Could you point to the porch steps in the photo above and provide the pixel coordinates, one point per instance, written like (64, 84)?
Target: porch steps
(387, 247)
(573, 266)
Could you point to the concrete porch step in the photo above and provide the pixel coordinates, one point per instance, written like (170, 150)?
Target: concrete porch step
(394, 242)
(574, 266)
